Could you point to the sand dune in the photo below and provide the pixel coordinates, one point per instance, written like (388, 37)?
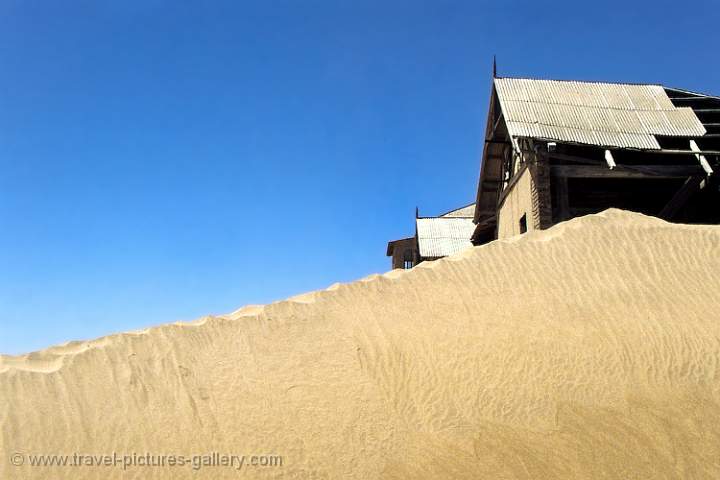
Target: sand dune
(591, 350)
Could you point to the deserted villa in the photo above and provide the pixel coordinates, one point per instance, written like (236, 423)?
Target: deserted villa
(435, 237)
(559, 149)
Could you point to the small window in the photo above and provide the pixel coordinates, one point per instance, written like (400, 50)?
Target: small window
(407, 259)
(523, 223)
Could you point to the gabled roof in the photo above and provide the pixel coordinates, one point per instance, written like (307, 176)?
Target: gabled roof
(466, 211)
(691, 92)
(393, 243)
(593, 113)
(605, 115)
(443, 236)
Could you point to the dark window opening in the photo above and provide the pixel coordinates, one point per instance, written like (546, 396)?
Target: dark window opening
(523, 223)
(407, 259)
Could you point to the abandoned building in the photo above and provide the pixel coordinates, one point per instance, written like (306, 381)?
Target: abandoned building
(556, 149)
(559, 149)
(435, 237)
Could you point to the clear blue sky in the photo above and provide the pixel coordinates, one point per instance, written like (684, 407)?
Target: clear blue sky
(159, 162)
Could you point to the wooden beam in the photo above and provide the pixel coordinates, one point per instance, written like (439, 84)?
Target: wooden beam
(662, 151)
(668, 151)
(701, 158)
(691, 185)
(495, 125)
(562, 198)
(568, 158)
(695, 98)
(511, 184)
(697, 103)
(610, 160)
(636, 171)
(486, 222)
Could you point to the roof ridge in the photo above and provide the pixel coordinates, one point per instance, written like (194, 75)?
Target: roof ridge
(693, 92)
(581, 81)
(456, 209)
(443, 218)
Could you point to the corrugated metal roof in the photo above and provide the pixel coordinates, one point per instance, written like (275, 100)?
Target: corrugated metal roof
(443, 236)
(466, 211)
(604, 114)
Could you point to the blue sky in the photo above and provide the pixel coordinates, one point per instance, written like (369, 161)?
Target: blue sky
(161, 161)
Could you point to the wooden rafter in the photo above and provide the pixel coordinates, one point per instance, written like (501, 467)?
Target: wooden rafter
(691, 185)
(637, 171)
(701, 158)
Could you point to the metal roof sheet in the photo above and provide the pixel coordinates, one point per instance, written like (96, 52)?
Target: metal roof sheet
(466, 211)
(604, 114)
(443, 236)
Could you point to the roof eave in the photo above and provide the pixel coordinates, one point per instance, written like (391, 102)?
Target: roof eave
(483, 160)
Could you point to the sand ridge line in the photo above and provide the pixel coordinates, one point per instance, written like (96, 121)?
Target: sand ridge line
(50, 359)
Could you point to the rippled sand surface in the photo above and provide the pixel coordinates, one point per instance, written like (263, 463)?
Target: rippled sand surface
(590, 350)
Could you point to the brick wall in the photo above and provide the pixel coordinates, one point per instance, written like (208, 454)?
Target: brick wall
(529, 195)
